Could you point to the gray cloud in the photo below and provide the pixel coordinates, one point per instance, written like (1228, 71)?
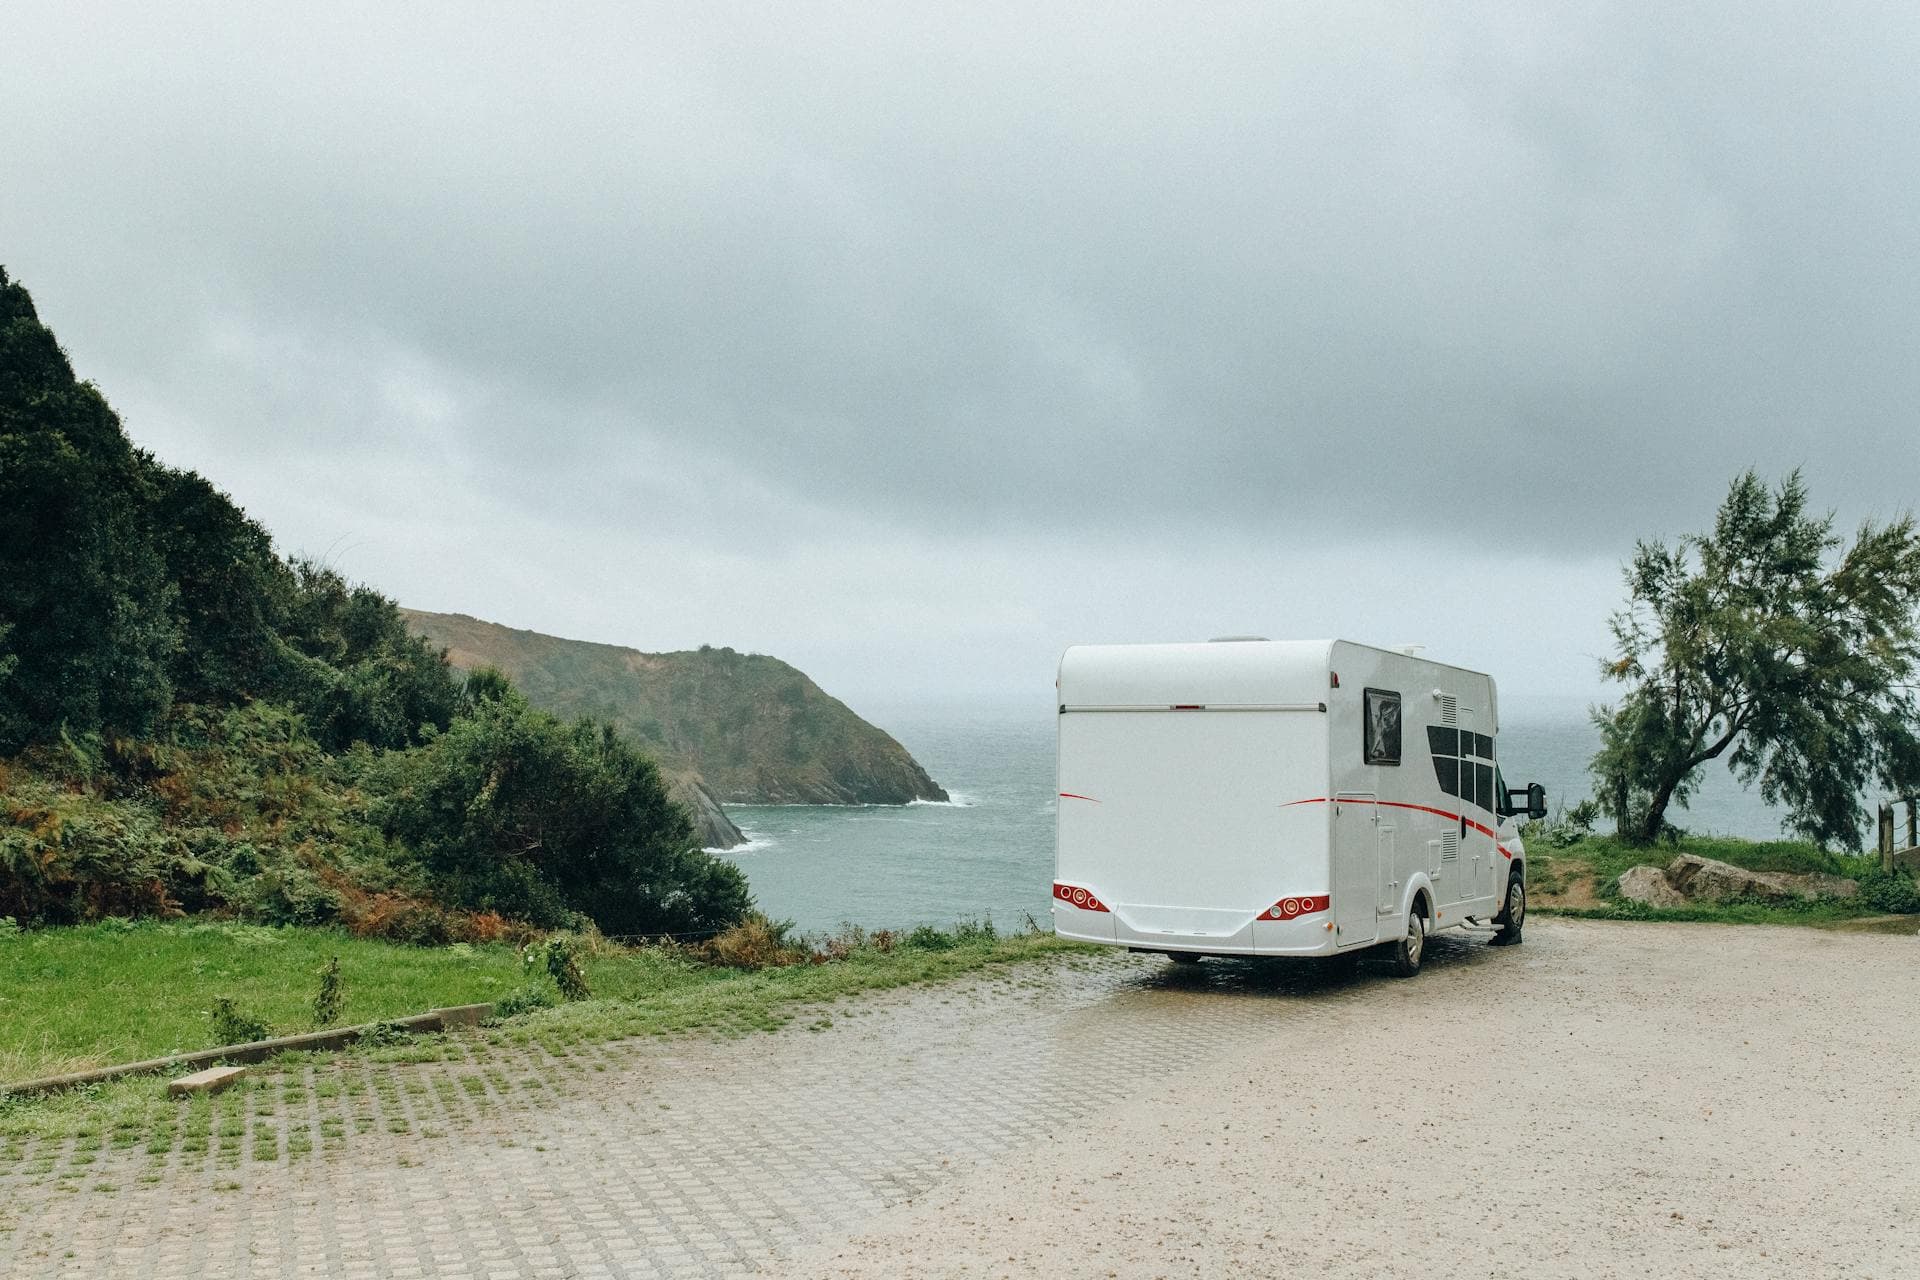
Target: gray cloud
(1144, 291)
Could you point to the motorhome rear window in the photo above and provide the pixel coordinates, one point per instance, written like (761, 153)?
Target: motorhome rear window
(1381, 731)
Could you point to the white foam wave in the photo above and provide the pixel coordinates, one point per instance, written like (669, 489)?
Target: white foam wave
(754, 844)
(954, 800)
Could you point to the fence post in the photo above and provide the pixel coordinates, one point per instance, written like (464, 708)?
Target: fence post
(1886, 837)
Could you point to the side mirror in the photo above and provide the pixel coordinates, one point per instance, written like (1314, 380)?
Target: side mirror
(1536, 796)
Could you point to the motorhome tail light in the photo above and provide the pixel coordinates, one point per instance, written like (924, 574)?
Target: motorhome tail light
(1292, 908)
(1336, 678)
(1075, 896)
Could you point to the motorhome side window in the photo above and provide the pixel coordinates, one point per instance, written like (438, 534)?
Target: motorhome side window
(1382, 728)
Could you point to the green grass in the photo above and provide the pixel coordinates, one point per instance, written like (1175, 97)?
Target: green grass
(127, 1002)
(100, 994)
(1604, 858)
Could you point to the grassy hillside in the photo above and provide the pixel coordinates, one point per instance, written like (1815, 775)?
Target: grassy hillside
(754, 729)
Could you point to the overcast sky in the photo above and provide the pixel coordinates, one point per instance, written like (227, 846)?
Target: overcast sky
(911, 343)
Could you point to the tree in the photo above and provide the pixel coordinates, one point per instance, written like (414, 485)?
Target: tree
(84, 598)
(1754, 643)
(514, 811)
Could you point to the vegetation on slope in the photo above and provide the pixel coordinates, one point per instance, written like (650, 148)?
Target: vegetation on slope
(189, 722)
(754, 729)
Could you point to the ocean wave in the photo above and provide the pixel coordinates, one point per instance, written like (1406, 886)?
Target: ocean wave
(954, 800)
(754, 844)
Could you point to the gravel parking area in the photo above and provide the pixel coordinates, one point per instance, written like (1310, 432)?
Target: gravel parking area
(1608, 1099)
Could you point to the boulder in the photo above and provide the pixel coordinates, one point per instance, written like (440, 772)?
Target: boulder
(1820, 884)
(1650, 885)
(1706, 880)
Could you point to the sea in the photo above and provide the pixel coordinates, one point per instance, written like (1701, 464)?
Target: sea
(987, 854)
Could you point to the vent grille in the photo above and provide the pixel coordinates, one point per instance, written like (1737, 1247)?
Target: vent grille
(1449, 709)
(1450, 846)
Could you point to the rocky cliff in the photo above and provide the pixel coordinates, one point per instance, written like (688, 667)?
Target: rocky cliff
(742, 728)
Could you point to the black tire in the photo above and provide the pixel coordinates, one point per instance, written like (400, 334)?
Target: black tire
(1513, 914)
(1412, 948)
(1183, 957)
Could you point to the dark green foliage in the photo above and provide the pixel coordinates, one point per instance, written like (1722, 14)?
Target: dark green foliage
(1748, 642)
(84, 600)
(515, 812)
(125, 585)
(356, 671)
(233, 1025)
(1893, 892)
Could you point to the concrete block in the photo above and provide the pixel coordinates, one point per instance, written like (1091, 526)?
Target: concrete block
(212, 1080)
(463, 1015)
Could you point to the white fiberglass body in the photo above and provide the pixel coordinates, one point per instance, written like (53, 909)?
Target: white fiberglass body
(1274, 798)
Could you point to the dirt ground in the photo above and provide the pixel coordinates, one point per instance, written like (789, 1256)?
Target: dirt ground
(1610, 1099)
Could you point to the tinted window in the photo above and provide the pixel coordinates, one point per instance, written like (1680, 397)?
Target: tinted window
(1381, 730)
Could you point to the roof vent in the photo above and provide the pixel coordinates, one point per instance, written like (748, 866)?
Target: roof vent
(1235, 639)
(1413, 650)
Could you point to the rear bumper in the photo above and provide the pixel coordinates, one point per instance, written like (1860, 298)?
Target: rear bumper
(1303, 936)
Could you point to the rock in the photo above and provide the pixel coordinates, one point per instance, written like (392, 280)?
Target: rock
(1820, 884)
(212, 1080)
(711, 825)
(1706, 880)
(1651, 886)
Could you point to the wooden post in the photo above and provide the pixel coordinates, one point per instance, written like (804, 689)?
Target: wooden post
(1886, 838)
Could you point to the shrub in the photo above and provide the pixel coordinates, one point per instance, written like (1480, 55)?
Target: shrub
(232, 1025)
(754, 943)
(1895, 893)
(559, 956)
(330, 1000)
(515, 812)
(929, 938)
(970, 930)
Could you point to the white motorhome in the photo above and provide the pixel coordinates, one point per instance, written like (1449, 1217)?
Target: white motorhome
(1292, 798)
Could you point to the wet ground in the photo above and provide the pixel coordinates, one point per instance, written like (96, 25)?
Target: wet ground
(1080, 1117)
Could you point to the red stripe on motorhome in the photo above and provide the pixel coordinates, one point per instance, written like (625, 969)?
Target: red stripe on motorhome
(1418, 808)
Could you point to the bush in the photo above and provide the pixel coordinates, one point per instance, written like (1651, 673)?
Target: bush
(1894, 893)
(928, 938)
(232, 1025)
(513, 811)
(559, 957)
(330, 1001)
(755, 943)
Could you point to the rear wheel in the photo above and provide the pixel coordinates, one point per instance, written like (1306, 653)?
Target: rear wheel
(1513, 916)
(1412, 945)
